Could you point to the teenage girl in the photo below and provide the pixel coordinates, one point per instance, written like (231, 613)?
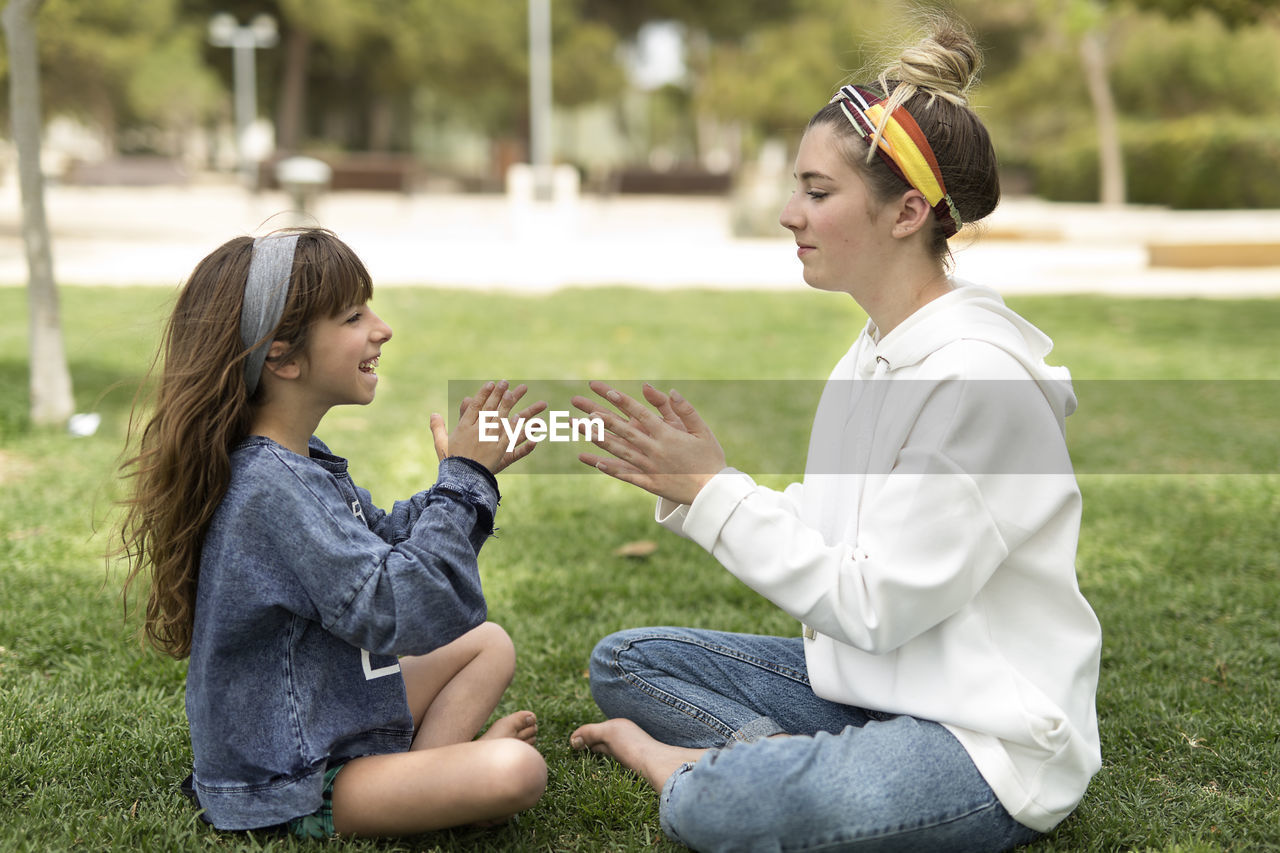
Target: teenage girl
(340, 661)
(939, 694)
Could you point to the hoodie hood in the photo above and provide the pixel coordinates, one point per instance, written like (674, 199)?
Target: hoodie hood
(969, 312)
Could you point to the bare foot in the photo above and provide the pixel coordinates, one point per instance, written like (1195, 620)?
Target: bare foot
(633, 748)
(522, 725)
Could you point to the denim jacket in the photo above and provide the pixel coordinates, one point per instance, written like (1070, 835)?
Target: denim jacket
(306, 595)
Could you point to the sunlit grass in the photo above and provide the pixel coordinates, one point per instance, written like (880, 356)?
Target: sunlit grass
(1182, 568)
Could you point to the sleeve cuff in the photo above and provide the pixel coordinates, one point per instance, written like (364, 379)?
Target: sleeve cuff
(671, 515)
(712, 507)
(471, 480)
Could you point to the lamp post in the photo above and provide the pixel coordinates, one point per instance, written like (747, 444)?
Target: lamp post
(540, 96)
(225, 31)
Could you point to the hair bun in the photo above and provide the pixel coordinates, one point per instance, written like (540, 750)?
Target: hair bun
(945, 63)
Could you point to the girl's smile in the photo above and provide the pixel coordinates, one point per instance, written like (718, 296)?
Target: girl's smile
(343, 352)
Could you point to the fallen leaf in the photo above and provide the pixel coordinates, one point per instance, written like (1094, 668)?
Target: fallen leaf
(639, 548)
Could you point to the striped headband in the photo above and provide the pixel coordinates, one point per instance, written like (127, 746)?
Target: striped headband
(903, 147)
(265, 291)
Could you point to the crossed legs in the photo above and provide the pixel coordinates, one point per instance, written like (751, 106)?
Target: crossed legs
(692, 690)
(447, 779)
(746, 757)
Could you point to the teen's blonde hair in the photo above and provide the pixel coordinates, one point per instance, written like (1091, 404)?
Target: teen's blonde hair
(931, 80)
(200, 409)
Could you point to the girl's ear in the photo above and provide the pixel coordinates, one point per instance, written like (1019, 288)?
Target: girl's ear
(280, 368)
(913, 214)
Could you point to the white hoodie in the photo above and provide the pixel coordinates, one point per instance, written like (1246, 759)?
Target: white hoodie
(930, 550)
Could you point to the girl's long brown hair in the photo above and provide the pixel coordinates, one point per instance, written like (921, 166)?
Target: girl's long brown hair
(200, 409)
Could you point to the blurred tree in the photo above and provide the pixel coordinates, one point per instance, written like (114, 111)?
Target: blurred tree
(122, 63)
(585, 66)
(347, 75)
(724, 43)
(1051, 76)
(1162, 65)
(1086, 23)
(374, 61)
(778, 76)
(473, 59)
(289, 63)
(720, 20)
(170, 89)
(50, 379)
(1208, 60)
(382, 74)
(121, 66)
(1233, 13)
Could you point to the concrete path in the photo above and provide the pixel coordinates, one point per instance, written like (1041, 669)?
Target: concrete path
(155, 235)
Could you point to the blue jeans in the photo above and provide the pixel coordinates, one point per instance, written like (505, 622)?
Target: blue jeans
(859, 780)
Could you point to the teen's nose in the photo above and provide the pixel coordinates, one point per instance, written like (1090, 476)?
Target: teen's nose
(790, 218)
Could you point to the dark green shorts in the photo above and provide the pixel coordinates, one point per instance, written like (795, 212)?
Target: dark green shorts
(318, 824)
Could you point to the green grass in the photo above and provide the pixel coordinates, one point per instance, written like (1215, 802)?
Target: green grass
(1181, 568)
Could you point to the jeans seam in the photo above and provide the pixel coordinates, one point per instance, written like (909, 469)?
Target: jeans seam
(786, 672)
(672, 701)
(889, 833)
(693, 712)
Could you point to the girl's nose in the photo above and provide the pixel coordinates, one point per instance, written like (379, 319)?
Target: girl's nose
(381, 331)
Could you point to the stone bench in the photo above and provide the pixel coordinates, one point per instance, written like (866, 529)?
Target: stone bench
(1206, 255)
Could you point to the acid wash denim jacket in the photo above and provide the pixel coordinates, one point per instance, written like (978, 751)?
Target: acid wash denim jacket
(306, 595)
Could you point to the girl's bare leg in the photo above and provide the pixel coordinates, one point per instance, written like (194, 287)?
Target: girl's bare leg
(633, 748)
(447, 779)
(421, 790)
(453, 690)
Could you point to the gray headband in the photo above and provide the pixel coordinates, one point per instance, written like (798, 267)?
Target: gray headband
(265, 291)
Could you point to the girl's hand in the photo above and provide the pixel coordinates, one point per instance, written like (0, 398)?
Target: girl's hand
(672, 453)
(465, 439)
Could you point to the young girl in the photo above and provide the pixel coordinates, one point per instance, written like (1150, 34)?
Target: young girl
(941, 694)
(340, 661)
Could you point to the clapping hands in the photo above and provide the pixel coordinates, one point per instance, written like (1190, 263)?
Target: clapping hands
(465, 440)
(667, 450)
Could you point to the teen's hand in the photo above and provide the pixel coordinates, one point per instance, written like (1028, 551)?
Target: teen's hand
(671, 453)
(465, 440)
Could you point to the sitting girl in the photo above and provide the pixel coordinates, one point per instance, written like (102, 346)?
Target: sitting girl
(340, 661)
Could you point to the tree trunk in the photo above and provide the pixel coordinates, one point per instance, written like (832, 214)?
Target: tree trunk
(381, 124)
(293, 90)
(1110, 152)
(51, 401)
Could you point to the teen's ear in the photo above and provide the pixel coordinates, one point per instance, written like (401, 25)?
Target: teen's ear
(280, 367)
(913, 214)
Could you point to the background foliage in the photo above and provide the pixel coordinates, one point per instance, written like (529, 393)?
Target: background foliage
(1189, 78)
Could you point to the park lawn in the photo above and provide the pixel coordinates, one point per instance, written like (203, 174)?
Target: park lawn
(1180, 558)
